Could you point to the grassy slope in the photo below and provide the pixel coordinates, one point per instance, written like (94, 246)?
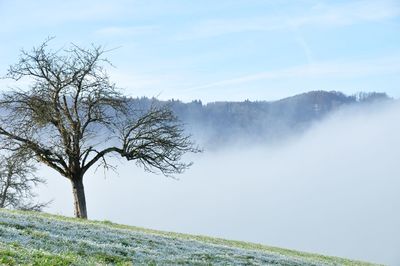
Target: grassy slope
(44, 239)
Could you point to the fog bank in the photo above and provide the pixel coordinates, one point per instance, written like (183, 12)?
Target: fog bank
(334, 190)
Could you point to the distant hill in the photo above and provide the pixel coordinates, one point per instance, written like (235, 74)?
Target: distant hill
(221, 123)
(29, 238)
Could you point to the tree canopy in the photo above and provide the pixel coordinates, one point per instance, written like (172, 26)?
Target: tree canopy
(17, 179)
(73, 117)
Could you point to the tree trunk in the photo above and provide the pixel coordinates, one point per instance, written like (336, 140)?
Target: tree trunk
(3, 193)
(79, 198)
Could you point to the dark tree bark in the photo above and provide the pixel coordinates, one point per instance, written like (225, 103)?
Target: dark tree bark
(73, 118)
(78, 191)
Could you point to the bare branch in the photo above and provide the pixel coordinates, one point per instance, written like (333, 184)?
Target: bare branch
(17, 178)
(73, 117)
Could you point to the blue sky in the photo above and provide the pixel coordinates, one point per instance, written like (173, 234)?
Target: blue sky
(221, 50)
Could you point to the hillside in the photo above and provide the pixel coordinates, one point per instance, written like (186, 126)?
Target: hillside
(43, 239)
(221, 123)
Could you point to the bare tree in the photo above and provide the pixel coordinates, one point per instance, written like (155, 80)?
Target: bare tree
(17, 179)
(72, 118)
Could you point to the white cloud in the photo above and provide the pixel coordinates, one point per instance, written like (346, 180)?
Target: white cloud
(335, 69)
(138, 83)
(320, 15)
(19, 15)
(125, 31)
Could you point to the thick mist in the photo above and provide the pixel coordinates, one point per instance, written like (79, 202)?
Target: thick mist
(334, 190)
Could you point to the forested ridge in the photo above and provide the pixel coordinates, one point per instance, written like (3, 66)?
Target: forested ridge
(223, 122)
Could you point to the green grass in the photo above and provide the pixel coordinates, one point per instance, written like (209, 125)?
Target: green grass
(31, 238)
